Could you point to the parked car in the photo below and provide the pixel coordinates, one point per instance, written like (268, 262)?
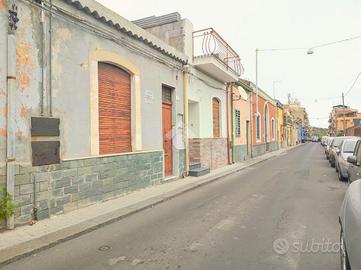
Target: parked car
(323, 140)
(350, 233)
(347, 149)
(327, 146)
(354, 169)
(335, 149)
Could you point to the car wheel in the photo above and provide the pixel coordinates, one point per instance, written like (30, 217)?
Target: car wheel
(340, 176)
(345, 264)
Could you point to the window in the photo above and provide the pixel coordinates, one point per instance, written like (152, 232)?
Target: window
(258, 126)
(238, 123)
(273, 128)
(358, 154)
(349, 146)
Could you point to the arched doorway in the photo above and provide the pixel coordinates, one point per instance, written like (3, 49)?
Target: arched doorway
(114, 110)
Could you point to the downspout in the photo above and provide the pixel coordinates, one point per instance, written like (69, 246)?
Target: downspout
(228, 136)
(50, 59)
(43, 69)
(185, 119)
(10, 91)
(251, 122)
(232, 124)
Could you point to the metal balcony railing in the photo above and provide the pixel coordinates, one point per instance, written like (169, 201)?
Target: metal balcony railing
(208, 42)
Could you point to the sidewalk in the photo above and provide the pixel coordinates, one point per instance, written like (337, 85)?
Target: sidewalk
(26, 240)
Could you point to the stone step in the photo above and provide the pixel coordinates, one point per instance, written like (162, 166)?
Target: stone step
(194, 165)
(199, 172)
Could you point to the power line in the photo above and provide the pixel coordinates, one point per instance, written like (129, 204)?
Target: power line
(353, 84)
(336, 42)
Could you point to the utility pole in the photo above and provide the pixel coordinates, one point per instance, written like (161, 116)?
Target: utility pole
(344, 115)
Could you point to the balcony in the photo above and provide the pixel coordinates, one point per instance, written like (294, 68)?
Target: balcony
(213, 55)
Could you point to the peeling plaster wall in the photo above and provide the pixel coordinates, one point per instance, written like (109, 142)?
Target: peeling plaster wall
(28, 78)
(71, 83)
(3, 57)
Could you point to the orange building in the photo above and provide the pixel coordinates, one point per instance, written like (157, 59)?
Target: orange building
(264, 117)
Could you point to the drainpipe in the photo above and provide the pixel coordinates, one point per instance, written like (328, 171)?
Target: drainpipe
(185, 118)
(10, 90)
(232, 124)
(50, 60)
(228, 136)
(251, 122)
(43, 69)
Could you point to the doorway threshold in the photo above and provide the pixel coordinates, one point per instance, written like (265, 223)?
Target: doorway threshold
(169, 178)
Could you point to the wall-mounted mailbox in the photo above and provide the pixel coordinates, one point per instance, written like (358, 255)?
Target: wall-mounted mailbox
(45, 127)
(45, 153)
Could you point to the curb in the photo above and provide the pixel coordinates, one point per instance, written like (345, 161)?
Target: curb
(31, 247)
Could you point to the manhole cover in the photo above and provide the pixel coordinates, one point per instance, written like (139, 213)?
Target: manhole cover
(104, 248)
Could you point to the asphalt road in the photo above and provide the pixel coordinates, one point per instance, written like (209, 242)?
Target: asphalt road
(280, 214)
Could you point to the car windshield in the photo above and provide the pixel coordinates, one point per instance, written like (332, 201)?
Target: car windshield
(349, 146)
(337, 142)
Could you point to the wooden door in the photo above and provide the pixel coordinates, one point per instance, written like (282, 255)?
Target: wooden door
(216, 118)
(114, 110)
(167, 131)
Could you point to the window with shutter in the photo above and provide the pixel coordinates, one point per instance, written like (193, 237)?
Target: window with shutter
(114, 110)
(238, 123)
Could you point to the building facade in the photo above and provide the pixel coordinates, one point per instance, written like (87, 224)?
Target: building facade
(88, 87)
(281, 134)
(342, 118)
(264, 127)
(241, 126)
(213, 65)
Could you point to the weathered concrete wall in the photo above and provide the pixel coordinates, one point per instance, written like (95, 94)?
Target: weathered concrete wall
(258, 150)
(211, 152)
(177, 35)
(71, 83)
(3, 74)
(240, 153)
(82, 177)
(3, 35)
(261, 149)
(72, 61)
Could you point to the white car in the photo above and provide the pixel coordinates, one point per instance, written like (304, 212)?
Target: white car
(350, 234)
(346, 149)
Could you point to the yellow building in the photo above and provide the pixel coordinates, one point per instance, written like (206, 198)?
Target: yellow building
(281, 139)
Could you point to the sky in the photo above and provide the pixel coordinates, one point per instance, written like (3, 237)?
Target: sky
(317, 80)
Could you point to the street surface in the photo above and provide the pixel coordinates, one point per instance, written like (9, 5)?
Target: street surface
(265, 217)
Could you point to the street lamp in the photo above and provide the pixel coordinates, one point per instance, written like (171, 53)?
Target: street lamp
(310, 51)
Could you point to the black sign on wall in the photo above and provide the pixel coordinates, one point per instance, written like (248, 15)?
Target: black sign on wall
(45, 153)
(45, 127)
